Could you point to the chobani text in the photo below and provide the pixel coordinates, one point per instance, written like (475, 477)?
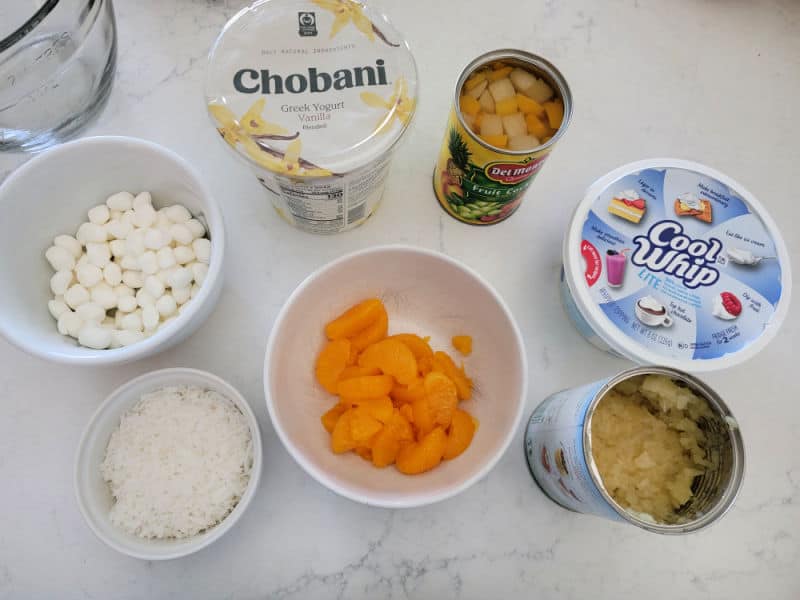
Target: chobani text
(254, 81)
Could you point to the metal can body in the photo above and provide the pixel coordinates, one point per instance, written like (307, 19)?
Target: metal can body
(558, 451)
(482, 184)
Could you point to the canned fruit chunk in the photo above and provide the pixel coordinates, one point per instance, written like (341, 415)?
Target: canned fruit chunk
(555, 113)
(498, 141)
(491, 125)
(459, 434)
(536, 127)
(523, 142)
(478, 91)
(393, 358)
(415, 458)
(462, 343)
(332, 360)
(514, 125)
(507, 107)
(401, 399)
(648, 446)
(521, 79)
(538, 90)
(469, 105)
(487, 102)
(529, 105)
(354, 319)
(502, 89)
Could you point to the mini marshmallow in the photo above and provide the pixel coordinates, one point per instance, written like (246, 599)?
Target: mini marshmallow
(196, 227)
(95, 337)
(112, 274)
(125, 337)
(91, 311)
(180, 277)
(154, 287)
(142, 200)
(144, 217)
(123, 290)
(104, 295)
(183, 254)
(202, 249)
(119, 230)
(195, 290)
(99, 215)
(144, 298)
(181, 234)
(83, 260)
(60, 282)
(99, 254)
(120, 201)
(129, 263)
(57, 308)
(69, 323)
(127, 217)
(108, 323)
(60, 258)
(166, 305)
(178, 213)
(166, 258)
(133, 279)
(90, 232)
(150, 317)
(76, 295)
(199, 271)
(132, 322)
(114, 215)
(154, 239)
(126, 304)
(118, 248)
(70, 244)
(182, 295)
(148, 262)
(89, 275)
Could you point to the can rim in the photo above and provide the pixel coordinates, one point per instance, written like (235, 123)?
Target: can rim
(605, 328)
(734, 437)
(539, 63)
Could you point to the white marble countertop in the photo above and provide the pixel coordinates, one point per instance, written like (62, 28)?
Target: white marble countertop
(711, 81)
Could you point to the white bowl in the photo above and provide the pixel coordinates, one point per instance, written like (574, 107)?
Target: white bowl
(426, 293)
(49, 195)
(94, 498)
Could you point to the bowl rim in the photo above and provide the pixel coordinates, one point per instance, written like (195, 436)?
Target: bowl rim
(166, 333)
(420, 498)
(194, 543)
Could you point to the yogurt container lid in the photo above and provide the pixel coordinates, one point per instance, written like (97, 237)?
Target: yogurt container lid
(674, 263)
(310, 87)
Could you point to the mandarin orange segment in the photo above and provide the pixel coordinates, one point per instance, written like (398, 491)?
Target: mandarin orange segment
(392, 358)
(356, 371)
(415, 458)
(331, 417)
(423, 417)
(460, 434)
(419, 346)
(463, 343)
(373, 333)
(363, 426)
(442, 397)
(401, 427)
(341, 436)
(365, 453)
(368, 386)
(425, 365)
(352, 360)
(444, 364)
(378, 408)
(331, 362)
(407, 410)
(403, 394)
(385, 448)
(354, 320)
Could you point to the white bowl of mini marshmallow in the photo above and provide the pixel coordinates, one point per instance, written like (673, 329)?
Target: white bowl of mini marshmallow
(113, 251)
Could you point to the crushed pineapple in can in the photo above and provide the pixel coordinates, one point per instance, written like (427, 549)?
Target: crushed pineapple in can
(510, 109)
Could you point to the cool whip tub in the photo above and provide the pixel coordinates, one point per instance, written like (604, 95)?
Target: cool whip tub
(669, 262)
(559, 451)
(314, 95)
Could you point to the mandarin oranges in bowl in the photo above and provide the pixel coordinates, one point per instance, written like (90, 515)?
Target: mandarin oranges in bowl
(395, 376)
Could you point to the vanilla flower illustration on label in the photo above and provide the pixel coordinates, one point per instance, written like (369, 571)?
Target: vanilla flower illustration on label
(398, 105)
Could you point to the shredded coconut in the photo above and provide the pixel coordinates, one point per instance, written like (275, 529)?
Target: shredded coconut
(178, 463)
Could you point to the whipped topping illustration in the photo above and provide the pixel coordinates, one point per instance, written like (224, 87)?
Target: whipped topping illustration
(690, 200)
(744, 257)
(726, 306)
(628, 195)
(651, 305)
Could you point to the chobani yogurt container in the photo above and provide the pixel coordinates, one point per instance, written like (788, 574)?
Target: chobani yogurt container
(670, 262)
(314, 95)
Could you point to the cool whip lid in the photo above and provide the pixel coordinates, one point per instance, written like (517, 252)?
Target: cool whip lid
(310, 87)
(676, 264)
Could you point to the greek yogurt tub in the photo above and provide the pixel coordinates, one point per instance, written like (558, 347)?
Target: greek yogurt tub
(669, 262)
(314, 95)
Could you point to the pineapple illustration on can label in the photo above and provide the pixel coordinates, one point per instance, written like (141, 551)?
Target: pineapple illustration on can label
(510, 109)
(314, 95)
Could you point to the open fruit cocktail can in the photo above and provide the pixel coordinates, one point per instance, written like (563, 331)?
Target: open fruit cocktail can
(314, 96)
(510, 108)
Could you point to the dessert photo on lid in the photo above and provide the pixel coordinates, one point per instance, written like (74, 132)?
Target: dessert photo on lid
(628, 205)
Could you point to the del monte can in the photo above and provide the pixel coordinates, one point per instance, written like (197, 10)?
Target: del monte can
(510, 109)
(314, 95)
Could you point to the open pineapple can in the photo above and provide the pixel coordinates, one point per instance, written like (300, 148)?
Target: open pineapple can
(510, 109)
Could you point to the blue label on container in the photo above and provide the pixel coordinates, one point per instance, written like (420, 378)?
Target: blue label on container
(678, 262)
